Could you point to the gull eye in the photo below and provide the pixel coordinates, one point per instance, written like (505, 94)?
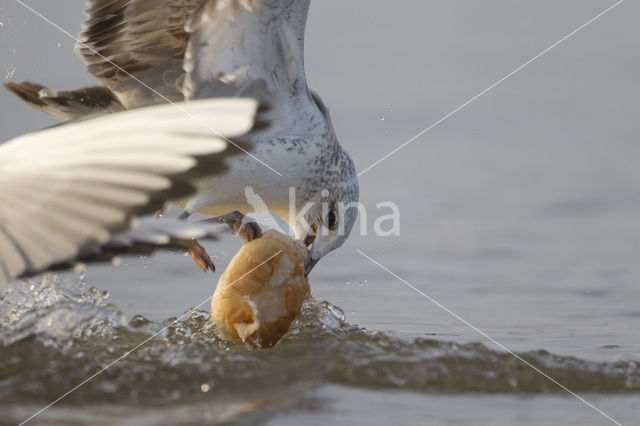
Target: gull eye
(332, 220)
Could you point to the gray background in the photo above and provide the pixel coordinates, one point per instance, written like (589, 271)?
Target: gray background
(519, 213)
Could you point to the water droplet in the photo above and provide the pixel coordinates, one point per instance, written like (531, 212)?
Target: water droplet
(381, 118)
(336, 311)
(10, 72)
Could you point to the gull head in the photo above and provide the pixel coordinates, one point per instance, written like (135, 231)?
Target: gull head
(331, 215)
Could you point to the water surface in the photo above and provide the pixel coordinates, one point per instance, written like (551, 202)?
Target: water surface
(519, 214)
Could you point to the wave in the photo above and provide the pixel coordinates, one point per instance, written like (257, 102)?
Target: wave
(54, 335)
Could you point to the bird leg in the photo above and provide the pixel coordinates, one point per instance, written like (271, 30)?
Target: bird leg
(195, 250)
(198, 254)
(245, 228)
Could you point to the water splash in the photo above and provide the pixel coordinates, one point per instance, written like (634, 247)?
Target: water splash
(55, 311)
(55, 333)
(11, 68)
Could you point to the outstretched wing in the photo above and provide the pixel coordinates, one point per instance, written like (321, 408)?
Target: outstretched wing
(141, 38)
(194, 48)
(65, 190)
(148, 52)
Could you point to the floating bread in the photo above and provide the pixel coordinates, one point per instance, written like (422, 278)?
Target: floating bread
(262, 290)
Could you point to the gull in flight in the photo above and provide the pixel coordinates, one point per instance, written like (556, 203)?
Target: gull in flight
(149, 52)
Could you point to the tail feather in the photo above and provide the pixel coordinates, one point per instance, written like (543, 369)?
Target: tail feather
(67, 105)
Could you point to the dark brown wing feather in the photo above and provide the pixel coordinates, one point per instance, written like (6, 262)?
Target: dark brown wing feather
(141, 38)
(66, 105)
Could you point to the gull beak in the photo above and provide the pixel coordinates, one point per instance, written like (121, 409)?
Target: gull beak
(308, 242)
(311, 262)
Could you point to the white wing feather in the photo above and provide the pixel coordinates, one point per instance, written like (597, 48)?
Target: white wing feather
(65, 190)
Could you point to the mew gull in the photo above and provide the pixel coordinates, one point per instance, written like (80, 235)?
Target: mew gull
(65, 191)
(145, 52)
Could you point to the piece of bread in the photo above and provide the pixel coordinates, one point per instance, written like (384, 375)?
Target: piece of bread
(262, 290)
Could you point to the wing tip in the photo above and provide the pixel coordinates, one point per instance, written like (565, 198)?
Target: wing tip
(27, 91)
